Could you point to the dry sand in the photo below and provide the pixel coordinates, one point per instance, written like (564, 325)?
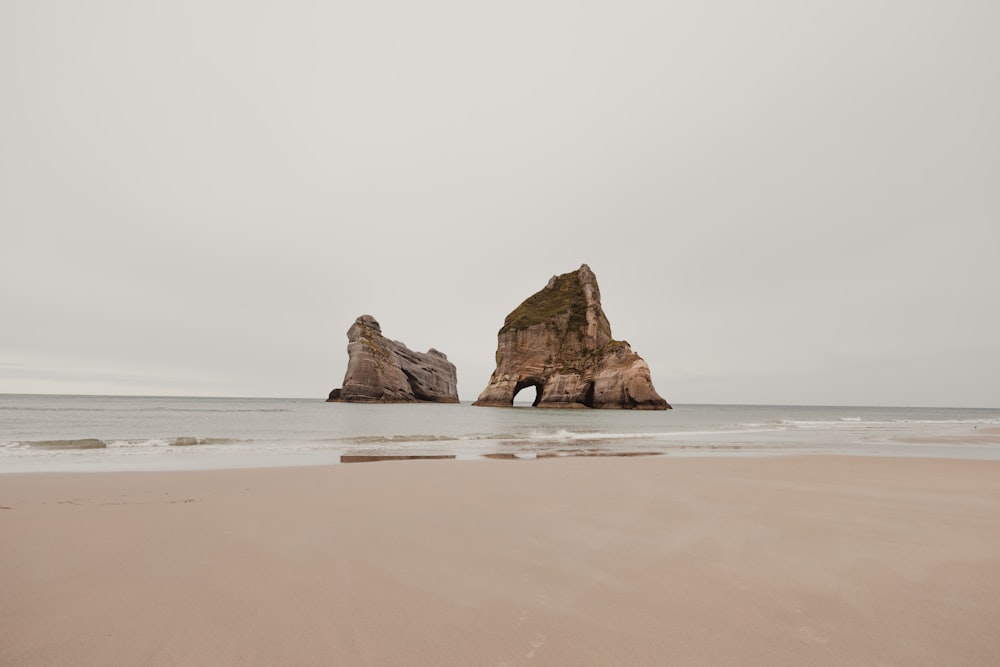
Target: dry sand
(596, 561)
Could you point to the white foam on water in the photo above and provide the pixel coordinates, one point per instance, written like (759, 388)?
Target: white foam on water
(93, 433)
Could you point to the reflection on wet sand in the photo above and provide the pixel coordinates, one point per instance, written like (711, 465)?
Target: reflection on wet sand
(366, 458)
(507, 456)
(552, 455)
(562, 454)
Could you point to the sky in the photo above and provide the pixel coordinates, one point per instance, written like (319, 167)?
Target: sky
(784, 202)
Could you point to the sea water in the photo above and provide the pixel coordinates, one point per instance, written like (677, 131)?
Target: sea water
(99, 433)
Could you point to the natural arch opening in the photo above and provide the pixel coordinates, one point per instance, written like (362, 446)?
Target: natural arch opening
(535, 383)
(588, 399)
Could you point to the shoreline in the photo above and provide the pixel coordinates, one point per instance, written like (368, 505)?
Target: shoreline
(778, 560)
(982, 448)
(74, 434)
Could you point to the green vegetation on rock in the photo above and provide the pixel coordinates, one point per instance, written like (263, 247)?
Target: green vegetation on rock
(564, 296)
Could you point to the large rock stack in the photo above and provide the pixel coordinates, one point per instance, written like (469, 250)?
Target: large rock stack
(559, 341)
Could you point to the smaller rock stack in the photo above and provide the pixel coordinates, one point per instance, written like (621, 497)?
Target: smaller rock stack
(386, 371)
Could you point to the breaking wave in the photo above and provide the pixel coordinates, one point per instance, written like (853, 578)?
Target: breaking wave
(111, 443)
(81, 443)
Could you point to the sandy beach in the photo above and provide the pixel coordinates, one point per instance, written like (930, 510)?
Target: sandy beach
(575, 561)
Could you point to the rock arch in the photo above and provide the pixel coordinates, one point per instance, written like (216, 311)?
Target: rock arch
(559, 340)
(536, 383)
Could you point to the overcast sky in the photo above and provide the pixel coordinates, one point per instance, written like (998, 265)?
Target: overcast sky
(783, 201)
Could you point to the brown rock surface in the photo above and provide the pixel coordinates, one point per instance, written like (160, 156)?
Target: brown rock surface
(386, 371)
(559, 341)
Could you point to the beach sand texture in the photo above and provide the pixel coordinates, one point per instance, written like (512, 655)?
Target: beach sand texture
(575, 561)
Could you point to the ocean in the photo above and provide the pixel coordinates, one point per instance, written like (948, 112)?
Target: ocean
(106, 433)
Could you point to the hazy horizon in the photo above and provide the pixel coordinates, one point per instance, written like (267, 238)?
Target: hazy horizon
(784, 204)
(519, 402)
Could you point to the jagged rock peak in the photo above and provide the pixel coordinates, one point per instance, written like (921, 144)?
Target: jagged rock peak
(559, 341)
(380, 370)
(575, 295)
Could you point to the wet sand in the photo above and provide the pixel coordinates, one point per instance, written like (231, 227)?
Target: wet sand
(577, 561)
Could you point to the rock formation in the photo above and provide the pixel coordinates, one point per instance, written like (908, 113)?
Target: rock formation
(559, 341)
(386, 371)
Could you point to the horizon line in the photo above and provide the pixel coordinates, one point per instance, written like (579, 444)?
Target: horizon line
(469, 401)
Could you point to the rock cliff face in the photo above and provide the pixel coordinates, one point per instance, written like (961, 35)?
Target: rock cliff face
(559, 341)
(386, 371)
